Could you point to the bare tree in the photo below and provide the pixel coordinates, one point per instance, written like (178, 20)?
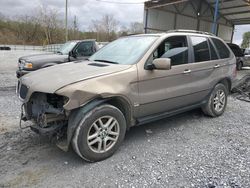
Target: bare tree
(27, 28)
(2, 17)
(136, 28)
(124, 31)
(51, 24)
(105, 28)
(246, 40)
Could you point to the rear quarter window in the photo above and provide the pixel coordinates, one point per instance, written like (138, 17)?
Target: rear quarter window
(221, 48)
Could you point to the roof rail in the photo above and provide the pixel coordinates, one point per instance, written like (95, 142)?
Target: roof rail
(190, 31)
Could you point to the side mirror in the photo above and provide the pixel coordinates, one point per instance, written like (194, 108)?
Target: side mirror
(160, 64)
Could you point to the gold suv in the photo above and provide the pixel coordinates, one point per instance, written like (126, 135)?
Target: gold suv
(131, 81)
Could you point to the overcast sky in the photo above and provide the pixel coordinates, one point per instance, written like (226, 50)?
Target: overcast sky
(87, 10)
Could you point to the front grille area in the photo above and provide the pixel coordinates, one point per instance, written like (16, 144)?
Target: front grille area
(23, 91)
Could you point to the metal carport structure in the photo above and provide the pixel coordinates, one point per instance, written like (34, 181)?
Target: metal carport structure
(217, 16)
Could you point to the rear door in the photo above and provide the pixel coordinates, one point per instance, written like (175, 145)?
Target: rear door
(205, 65)
(227, 63)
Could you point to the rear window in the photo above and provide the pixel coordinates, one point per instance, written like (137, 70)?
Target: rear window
(221, 48)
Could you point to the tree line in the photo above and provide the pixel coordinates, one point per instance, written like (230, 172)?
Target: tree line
(47, 27)
(246, 40)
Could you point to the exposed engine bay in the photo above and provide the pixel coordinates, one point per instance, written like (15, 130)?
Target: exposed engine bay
(46, 112)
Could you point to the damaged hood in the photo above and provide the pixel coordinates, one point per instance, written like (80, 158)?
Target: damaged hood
(49, 80)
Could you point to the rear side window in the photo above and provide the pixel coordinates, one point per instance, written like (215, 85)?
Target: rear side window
(221, 48)
(201, 49)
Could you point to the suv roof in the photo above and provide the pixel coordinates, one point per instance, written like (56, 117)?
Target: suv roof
(190, 31)
(179, 31)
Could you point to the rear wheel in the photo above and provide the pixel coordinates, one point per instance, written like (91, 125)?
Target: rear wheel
(217, 101)
(100, 133)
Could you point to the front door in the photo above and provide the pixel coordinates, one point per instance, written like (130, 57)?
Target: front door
(84, 50)
(166, 90)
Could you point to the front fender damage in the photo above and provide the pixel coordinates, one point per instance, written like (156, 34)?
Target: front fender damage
(73, 122)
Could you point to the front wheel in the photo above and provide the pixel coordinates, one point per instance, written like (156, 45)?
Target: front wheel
(100, 133)
(217, 101)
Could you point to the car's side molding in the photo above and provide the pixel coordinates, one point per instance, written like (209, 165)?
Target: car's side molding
(156, 117)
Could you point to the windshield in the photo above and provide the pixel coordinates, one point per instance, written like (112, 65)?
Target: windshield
(67, 47)
(126, 50)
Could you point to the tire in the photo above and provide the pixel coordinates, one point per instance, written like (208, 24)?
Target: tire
(103, 124)
(214, 106)
(239, 66)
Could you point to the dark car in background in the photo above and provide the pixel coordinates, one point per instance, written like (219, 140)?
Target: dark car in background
(240, 57)
(247, 56)
(70, 51)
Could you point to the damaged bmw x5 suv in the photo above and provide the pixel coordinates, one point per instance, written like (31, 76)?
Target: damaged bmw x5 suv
(134, 80)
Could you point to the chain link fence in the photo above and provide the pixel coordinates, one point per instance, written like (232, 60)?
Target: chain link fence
(48, 48)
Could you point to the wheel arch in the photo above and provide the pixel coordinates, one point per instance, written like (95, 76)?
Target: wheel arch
(75, 115)
(227, 82)
(124, 106)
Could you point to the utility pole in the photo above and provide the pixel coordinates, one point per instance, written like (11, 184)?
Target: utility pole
(75, 27)
(66, 21)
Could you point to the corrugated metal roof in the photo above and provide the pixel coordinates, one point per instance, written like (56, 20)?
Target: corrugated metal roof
(235, 11)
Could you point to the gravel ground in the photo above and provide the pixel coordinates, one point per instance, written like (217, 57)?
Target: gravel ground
(188, 150)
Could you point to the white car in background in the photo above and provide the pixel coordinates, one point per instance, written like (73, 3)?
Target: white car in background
(247, 56)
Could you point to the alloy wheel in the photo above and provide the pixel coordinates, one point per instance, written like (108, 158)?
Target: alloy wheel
(219, 100)
(103, 134)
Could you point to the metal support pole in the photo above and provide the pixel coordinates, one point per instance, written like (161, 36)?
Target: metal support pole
(66, 20)
(232, 36)
(146, 22)
(214, 28)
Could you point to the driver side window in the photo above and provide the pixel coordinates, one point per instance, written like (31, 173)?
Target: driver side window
(175, 48)
(85, 49)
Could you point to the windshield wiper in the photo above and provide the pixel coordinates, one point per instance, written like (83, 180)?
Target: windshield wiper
(105, 61)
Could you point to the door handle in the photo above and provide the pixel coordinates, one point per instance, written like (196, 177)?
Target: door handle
(216, 66)
(187, 71)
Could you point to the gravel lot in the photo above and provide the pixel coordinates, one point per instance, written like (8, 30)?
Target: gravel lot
(188, 150)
